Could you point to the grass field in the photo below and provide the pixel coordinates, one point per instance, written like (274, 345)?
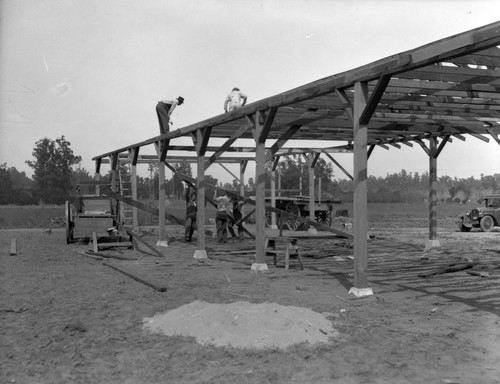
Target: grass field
(53, 216)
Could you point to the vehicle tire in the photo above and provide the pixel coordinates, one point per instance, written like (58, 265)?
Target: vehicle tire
(292, 223)
(487, 224)
(324, 218)
(463, 228)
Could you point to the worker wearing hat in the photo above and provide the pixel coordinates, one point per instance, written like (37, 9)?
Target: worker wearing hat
(164, 109)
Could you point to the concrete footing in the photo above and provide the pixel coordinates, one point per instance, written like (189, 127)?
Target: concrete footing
(162, 243)
(432, 245)
(257, 267)
(200, 254)
(361, 292)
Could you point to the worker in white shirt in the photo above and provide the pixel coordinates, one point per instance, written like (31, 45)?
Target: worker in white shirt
(223, 204)
(164, 109)
(235, 100)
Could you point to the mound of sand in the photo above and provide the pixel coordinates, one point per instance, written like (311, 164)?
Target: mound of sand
(244, 325)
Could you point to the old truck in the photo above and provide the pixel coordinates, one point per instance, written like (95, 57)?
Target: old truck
(88, 214)
(486, 217)
(299, 206)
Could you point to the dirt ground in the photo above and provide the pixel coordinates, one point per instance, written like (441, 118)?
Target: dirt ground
(69, 318)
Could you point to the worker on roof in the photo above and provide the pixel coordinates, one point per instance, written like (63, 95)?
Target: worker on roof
(235, 100)
(164, 109)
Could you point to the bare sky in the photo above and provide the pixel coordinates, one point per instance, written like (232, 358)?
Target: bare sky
(93, 70)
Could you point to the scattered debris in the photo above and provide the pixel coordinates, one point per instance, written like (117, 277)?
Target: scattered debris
(15, 310)
(77, 326)
(449, 269)
(476, 273)
(341, 298)
(227, 278)
(298, 288)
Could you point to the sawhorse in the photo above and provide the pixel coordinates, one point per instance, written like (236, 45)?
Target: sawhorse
(291, 250)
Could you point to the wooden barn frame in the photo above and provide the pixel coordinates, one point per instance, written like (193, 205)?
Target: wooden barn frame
(429, 96)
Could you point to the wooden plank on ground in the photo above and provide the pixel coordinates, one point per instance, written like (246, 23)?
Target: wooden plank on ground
(89, 255)
(13, 246)
(108, 256)
(94, 241)
(115, 244)
(136, 278)
(449, 269)
(136, 237)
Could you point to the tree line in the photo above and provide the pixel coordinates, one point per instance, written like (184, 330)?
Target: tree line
(57, 172)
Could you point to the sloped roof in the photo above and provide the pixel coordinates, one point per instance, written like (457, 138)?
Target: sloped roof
(446, 88)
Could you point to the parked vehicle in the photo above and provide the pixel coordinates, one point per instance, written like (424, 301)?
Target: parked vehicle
(485, 217)
(89, 214)
(299, 206)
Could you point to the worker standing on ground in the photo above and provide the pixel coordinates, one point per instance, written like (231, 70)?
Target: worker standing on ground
(221, 217)
(190, 223)
(235, 100)
(237, 216)
(164, 110)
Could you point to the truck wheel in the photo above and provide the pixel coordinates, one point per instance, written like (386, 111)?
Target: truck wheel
(292, 223)
(487, 223)
(463, 228)
(324, 218)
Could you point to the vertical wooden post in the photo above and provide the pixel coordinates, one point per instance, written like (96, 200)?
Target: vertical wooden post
(133, 179)
(243, 167)
(279, 184)
(433, 242)
(319, 190)
(310, 170)
(200, 141)
(260, 159)
(200, 203)
(97, 176)
(360, 208)
(273, 199)
(114, 181)
(161, 203)
(311, 161)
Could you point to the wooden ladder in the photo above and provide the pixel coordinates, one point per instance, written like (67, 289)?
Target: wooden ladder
(126, 211)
